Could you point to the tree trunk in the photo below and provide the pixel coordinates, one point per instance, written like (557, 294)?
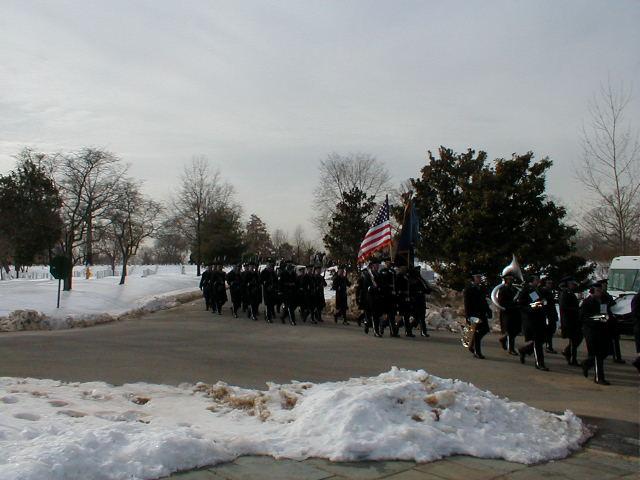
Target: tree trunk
(124, 269)
(68, 280)
(88, 253)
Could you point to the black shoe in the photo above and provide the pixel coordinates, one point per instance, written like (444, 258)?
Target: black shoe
(573, 363)
(409, 334)
(479, 355)
(542, 367)
(550, 350)
(522, 356)
(585, 369)
(366, 329)
(344, 322)
(602, 382)
(619, 360)
(335, 318)
(424, 334)
(220, 312)
(293, 322)
(567, 354)
(513, 352)
(503, 342)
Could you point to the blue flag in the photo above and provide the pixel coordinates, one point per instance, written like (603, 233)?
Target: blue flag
(409, 236)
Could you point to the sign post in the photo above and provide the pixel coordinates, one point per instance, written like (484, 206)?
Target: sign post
(59, 269)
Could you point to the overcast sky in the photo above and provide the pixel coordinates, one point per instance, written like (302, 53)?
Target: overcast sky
(267, 89)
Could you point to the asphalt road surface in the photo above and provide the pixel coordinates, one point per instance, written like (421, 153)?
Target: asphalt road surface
(188, 344)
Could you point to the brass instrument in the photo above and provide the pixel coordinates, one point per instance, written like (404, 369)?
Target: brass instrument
(514, 269)
(469, 331)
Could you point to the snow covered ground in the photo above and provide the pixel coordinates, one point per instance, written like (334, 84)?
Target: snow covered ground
(31, 304)
(55, 430)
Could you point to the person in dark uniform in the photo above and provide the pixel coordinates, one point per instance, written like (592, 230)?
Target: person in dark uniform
(218, 288)
(594, 314)
(570, 326)
(612, 323)
(341, 284)
(387, 299)
(418, 289)
(370, 297)
(317, 286)
(477, 313)
(235, 289)
(635, 314)
(548, 294)
(303, 292)
(403, 300)
(269, 282)
(252, 291)
(531, 306)
(510, 317)
(288, 290)
(205, 281)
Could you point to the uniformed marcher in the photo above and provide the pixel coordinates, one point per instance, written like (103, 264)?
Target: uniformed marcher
(234, 281)
(370, 297)
(252, 290)
(510, 317)
(317, 285)
(548, 294)
(477, 313)
(594, 314)
(404, 300)
(218, 289)
(205, 280)
(303, 292)
(531, 306)
(570, 326)
(418, 289)
(288, 291)
(269, 282)
(341, 284)
(387, 299)
(614, 329)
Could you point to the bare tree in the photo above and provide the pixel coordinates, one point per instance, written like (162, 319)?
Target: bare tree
(342, 173)
(610, 169)
(131, 220)
(202, 190)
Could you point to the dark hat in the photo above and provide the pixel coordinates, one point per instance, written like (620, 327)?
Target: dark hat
(604, 281)
(508, 274)
(596, 284)
(374, 261)
(568, 279)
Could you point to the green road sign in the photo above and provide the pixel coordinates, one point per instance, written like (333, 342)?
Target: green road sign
(58, 267)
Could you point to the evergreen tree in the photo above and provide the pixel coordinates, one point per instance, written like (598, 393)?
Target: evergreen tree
(29, 214)
(258, 240)
(348, 226)
(222, 235)
(474, 216)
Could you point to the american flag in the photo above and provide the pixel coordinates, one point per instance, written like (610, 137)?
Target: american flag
(379, 235)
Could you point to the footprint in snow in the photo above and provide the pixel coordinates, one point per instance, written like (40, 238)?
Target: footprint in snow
(72, 413)
(58, 403)
(27, 416)
(9, 399)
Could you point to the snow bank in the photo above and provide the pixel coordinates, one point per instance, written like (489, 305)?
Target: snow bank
(31, 304)
(56, 430)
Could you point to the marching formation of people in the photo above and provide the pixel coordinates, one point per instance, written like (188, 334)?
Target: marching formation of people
(387, 296)
(530, 309)
(394, 297)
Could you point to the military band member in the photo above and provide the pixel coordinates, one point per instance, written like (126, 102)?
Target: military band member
(288, 291)
(235, 289)
(477, 313)
(531, 306)
(252, 290)
(370, 297)
(387, 300)
(418, 289)
(269, 282)
(570, 326)
(341, 284)
(548, 294)
(218, 289)
(612, 324)
(205, 280)
(317, 284)
(635, 314)
(594, 313)
(404, 300)
(510, 317)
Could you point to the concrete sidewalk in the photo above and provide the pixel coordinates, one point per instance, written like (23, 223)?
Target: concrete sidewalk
(593, 463)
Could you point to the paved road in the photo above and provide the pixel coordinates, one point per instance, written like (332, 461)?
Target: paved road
(187, 344)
